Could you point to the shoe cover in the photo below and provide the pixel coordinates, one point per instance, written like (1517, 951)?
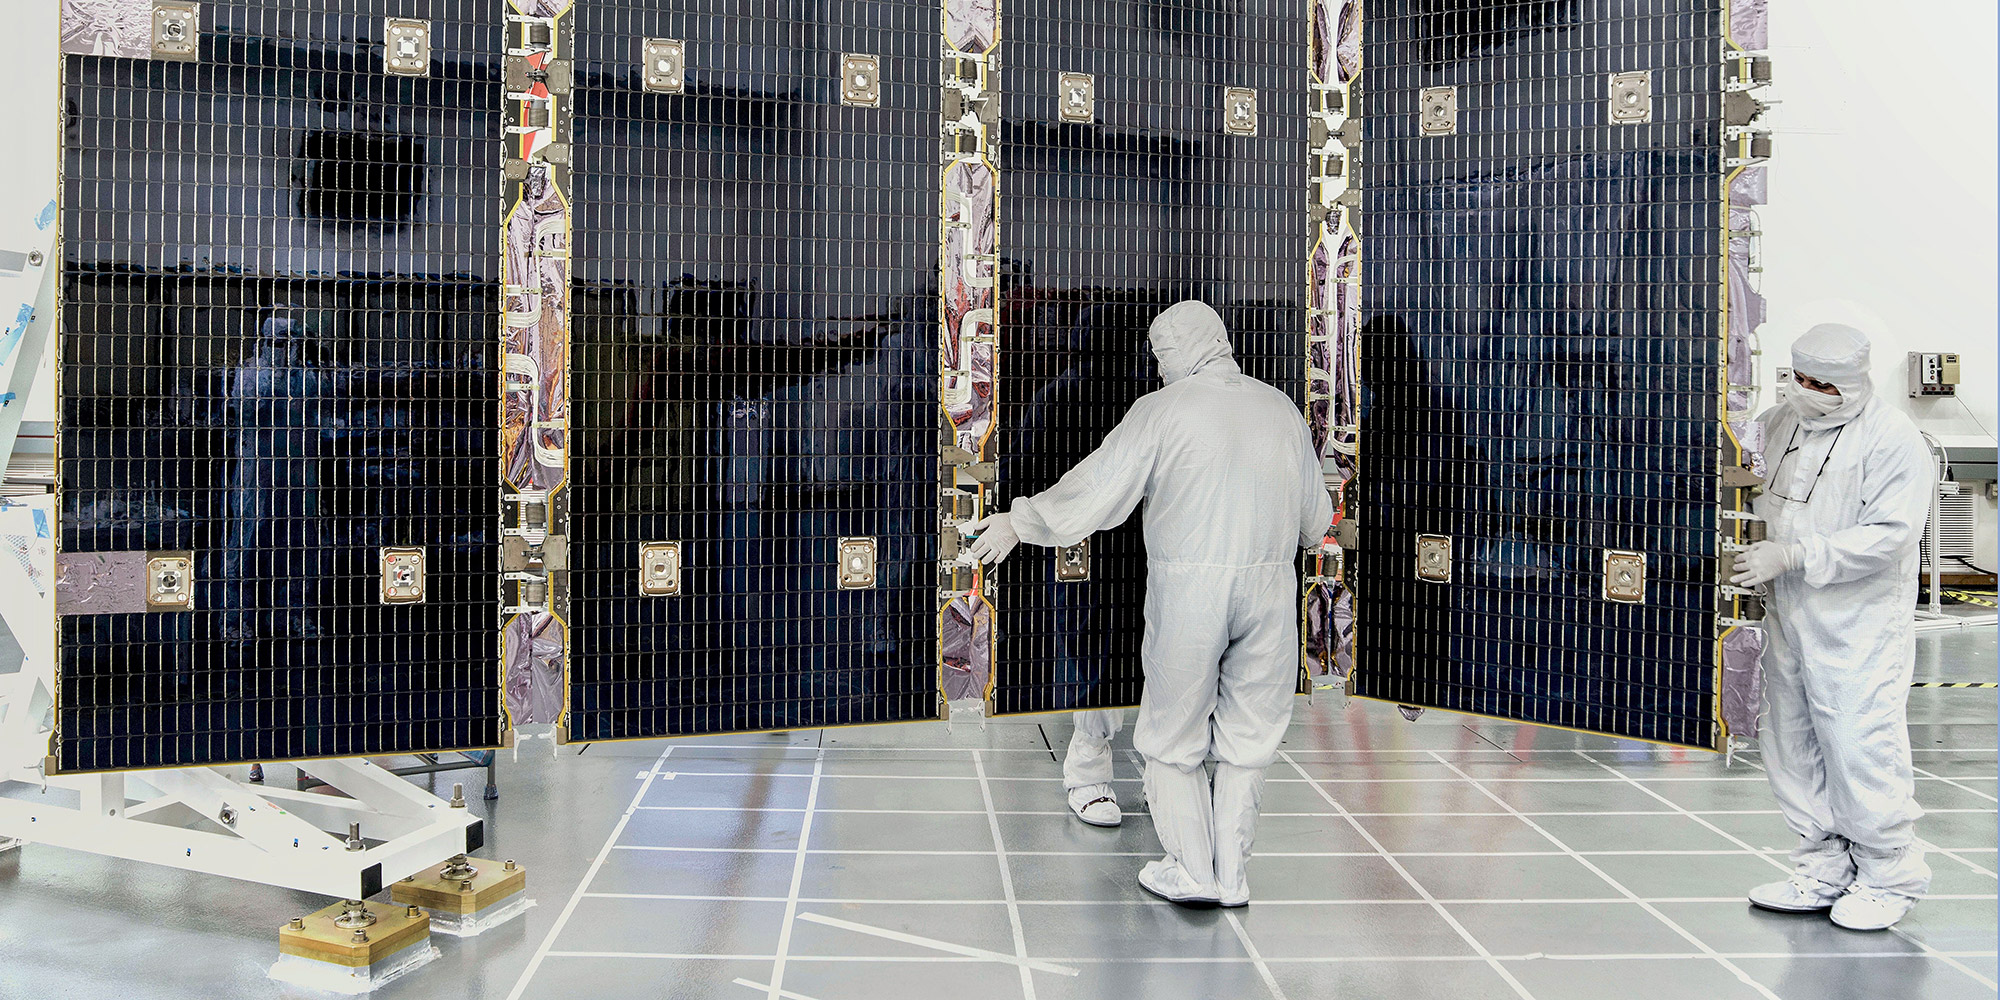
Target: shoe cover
(1095, 805)
(1798, 894)
(1166, 879)
(1182, 816)
(1871, 908)
(1237, 792)
(1901, 870)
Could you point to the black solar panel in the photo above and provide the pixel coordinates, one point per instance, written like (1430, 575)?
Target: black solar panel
(739, 371)
(1143, 199)
(755, 367)
(1542, 350)
(278, 359)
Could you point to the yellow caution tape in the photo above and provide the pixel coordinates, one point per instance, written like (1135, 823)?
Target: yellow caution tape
(1982, 600)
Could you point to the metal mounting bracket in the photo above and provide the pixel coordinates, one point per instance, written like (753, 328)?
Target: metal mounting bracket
(1631, 99)
(659, 569)
(857, 563)
(402, 574)
(1073, 562)
(860, 80)
(1624, 576)
(664, 65)
(1076, 98)
(1434, 558)
(1437, 111)
(176, 31)
(1239, 111)
(406, 47)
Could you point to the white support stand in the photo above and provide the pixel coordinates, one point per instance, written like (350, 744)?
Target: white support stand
(1933, 618)
(201, 818)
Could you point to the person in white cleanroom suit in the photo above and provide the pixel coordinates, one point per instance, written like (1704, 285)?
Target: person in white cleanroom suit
(1848, 493)
(1233, 490)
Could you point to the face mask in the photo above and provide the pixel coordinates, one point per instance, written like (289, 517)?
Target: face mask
(1807, 403)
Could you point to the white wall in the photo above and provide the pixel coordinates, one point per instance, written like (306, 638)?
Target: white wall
(1883, 204)
(28, 115)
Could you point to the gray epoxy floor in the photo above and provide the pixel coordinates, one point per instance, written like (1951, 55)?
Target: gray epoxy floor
(1451, 857)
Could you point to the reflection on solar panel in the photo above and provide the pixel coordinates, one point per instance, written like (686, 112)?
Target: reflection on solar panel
(1149, 153)
(755, 370)
(279, 432)
(1543, 348)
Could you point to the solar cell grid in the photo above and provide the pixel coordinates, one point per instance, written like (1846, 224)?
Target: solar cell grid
(279, 281)
(755, 368)
(1542, 351)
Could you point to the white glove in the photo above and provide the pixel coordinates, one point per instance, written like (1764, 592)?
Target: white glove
(993, 537)
(1764, 562)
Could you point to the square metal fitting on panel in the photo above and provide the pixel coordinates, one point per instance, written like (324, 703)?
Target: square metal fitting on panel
(1073, 562)
(1239, 111)
(659, 569)
(1434, 558)
(1624, 576)
(176, 30)
(664, 65)
(857, 563)
(402, 575)
(1631, 98)
(1076, 95)
(1437, 111)
(406, 47)
(169, 581)
(860, 80)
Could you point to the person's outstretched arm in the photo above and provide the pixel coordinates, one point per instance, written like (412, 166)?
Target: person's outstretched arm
(1098, 492)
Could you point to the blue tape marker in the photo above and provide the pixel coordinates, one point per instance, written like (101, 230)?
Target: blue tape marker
(41, 523)
(12, 338)
(48, 216)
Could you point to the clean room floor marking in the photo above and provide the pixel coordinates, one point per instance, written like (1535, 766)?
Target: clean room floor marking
(1690, 956)
(1921, 774)
(1654, 853)
(1959, 855)
(1256, 957)
(1261, 903)
(798, 877)
(1006, 877)
(1441, 780)
(945, 946)
(569, 908)
(1956, 854)
(1491, 961)
(1899, 932)
(771, 990)
(828, 767)
(1299, 815)
(1672, 925)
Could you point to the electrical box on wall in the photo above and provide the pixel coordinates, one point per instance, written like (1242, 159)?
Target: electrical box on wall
(1933, 374)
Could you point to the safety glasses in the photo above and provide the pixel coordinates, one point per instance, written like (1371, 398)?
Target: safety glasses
(1792, 446)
